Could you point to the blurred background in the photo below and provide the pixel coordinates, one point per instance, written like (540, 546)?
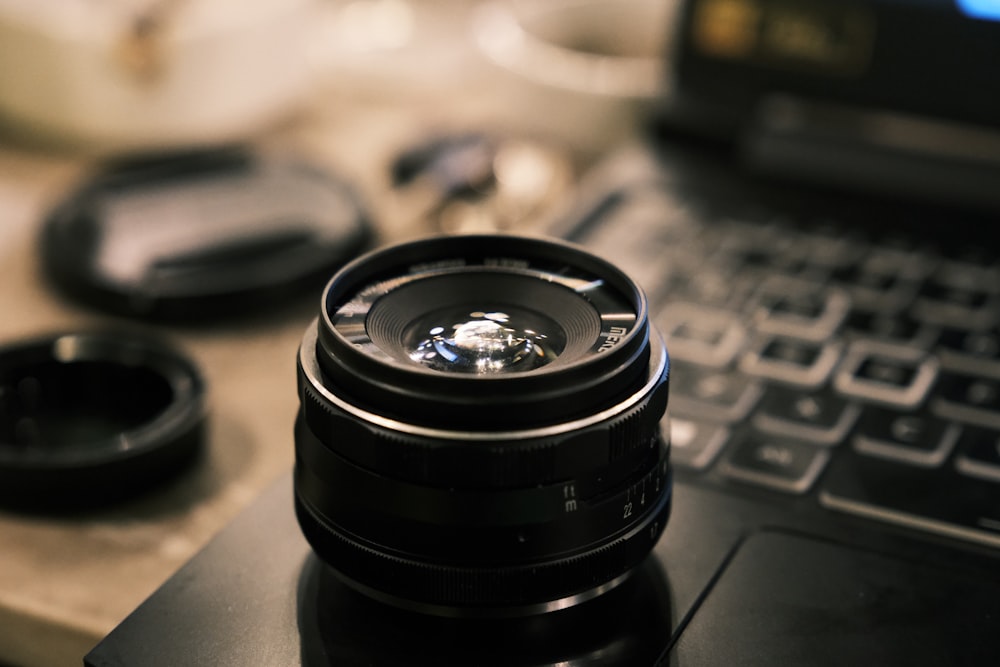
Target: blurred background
(328, 124)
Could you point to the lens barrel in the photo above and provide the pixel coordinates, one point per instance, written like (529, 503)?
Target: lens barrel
(479, 426)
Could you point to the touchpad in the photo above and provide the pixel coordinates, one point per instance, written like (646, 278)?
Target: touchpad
(789, 600)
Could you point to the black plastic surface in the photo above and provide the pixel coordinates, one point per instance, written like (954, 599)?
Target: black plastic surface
(257, 595)
(708, 595)
(201, 235)
(789, 600)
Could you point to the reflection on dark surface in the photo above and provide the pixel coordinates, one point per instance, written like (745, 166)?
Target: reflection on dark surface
(630, 625)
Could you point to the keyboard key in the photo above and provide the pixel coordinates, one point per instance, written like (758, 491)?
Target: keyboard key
(900, 256)
(790, 360)
(785, 465)
(888, 374)
(829, 245)
(914, 439)
(767, 245)
(798, 308)
(972, 268)
(767, 257)
(695, 444)
(888, 327)
(783, 255)
(974, 352)
(938, 500)
(712, 286)
(979, 454)
(707, 336)
(822, 418)
(968, 398)
(711, 394)
(971, 257)
(877, 291)
(974, 306)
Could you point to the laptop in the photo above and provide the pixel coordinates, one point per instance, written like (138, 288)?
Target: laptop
(823, 262)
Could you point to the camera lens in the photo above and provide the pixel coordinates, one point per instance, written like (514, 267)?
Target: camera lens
(479, 426)
(456, 339)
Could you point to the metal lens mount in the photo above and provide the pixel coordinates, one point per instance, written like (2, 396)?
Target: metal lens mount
(479, 426)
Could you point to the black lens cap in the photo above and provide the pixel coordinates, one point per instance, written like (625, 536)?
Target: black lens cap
(87, 418)
(202, 234)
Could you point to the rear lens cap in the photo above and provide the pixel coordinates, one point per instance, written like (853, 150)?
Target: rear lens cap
(86, 418)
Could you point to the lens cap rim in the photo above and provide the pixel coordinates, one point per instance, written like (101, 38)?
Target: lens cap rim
(222, 278)
(115, 466)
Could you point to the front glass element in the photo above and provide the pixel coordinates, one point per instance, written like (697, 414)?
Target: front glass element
(484, 341)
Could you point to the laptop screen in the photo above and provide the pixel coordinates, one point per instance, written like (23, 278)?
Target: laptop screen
(897, 95)
(981, 9)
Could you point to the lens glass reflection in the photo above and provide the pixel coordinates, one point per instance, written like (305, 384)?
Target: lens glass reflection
(484, 341)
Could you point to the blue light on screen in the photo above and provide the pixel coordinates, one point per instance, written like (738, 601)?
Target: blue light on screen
(981, 9)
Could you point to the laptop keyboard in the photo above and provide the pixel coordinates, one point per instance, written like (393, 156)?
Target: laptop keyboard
(813, 357)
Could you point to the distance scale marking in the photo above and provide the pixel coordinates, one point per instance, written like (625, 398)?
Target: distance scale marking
(627, 506)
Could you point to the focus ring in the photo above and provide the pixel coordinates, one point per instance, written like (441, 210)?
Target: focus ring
(497, 464)
(616, 442)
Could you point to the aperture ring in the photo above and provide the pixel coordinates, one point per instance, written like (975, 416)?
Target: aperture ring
(472, 525)
(440, 586)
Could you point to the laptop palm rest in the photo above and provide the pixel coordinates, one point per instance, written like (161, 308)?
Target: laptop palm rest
(790, 600)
